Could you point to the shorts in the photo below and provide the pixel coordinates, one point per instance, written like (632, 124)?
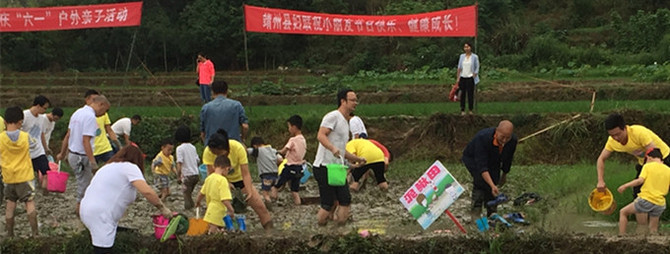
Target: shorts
(268, 180)
(291, 173)
(20, 192)
(104, 157)
(377, 168)
(328, 194)
(638, 169)
(644, 206)
(161, 181)
(238, 184)
(479, 199)
(41, 163)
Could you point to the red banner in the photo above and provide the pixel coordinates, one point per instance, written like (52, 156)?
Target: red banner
(70, 17)
(459, 22)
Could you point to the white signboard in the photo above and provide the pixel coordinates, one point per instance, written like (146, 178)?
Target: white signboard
(431, 195)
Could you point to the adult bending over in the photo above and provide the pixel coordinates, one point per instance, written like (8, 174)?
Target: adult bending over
(488, 158)
(111, 191)
(220, 145)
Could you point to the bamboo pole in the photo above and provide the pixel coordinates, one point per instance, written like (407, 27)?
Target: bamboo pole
(550, 127)
(593, 101)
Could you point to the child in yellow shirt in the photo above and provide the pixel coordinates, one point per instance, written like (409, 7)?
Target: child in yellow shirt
(17, 169)
(216, 190)
(162, 165)
(655, 181)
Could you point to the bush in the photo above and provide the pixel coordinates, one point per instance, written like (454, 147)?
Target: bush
(268, 88)
(643, 58)
(149, 133)
(664, 48)
(514, 61)
(591, 56)
(545, 51)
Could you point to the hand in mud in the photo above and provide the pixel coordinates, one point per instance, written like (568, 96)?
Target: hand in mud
(601, 186)
(494, 191)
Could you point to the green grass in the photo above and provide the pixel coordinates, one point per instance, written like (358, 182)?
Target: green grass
(565, 188)
(412, 109)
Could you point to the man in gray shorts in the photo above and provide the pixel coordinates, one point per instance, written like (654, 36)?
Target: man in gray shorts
(655, 181)
(82, 130)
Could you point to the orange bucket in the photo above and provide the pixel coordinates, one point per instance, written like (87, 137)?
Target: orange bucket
(197, 226)
(602, 202)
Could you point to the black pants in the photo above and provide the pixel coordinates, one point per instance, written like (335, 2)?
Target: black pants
(329, 194)
(467, 86)
(479, 199)
(638, 169)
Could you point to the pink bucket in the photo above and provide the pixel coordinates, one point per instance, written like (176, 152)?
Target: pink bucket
(160, 224)
(57, 180)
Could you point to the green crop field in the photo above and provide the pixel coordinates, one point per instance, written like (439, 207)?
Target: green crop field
(413, 109)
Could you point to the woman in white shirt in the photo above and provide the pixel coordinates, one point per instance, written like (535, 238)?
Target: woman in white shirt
(111, 191)
(467, 76)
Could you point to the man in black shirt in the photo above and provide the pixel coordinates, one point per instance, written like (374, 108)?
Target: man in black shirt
(488, 153)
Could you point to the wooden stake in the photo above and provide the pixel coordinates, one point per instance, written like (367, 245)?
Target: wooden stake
(550, 127)
(593, 101)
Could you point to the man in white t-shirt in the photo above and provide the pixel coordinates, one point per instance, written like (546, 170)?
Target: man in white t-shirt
(123, 126)
(33, 126)
(48, 124)
(78, 142)
(357, 127)
(333, 136)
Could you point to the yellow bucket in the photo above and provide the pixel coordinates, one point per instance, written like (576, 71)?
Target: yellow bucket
(602, 202)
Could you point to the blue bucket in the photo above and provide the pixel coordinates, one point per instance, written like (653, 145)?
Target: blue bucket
(203, 172)
(305, 173)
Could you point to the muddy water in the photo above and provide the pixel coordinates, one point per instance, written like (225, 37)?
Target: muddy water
(568, 218)
(374, 210)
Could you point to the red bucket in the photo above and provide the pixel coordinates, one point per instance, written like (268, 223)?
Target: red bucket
(57, 180)
(160, 224)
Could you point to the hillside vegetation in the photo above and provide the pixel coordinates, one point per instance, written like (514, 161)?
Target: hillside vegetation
(516, 34)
